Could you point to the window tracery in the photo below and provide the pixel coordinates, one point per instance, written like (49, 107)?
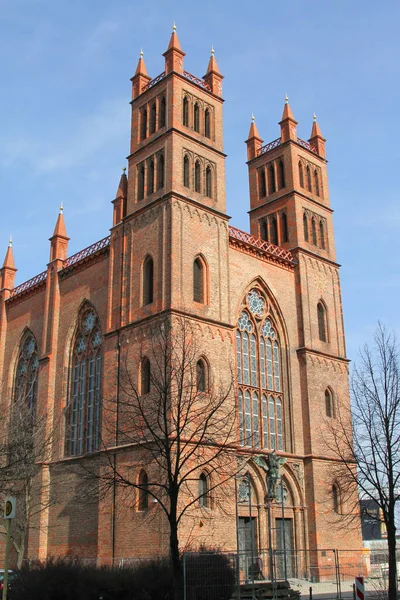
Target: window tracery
(260, 400)
(84, 410)
(26, 377)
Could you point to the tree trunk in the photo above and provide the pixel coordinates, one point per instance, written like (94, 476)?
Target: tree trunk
(174, 553)
(391, 539)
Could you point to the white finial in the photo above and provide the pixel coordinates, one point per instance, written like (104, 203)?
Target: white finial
(61, 208)
(141, 53)
(173, 28)
(252, 118)
(315, 117)
(287, 99)
(212, 50)
(10, 242)
(123, 170)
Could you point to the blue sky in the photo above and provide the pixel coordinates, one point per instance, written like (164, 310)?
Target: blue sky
(64, 117)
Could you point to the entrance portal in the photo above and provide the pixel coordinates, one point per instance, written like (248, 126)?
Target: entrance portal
(284, 549)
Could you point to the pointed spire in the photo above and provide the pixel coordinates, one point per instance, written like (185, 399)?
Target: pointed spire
(254, 141)
(123, 185)
(9, 258)
(212, 63)
(119, 203)
(174, 41)
(59, 240)
(59, 229)
(141, 67)
(288, 123)
(317, 140)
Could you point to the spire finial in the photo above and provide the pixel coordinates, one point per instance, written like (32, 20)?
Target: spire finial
(10, 242)
(141, 53)
(212, 50)
(123, 170)
(252, 118)
(315, 117)
(287, 99)
(174, 28)
(61, 208)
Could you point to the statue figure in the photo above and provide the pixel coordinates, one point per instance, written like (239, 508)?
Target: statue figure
(271, 465)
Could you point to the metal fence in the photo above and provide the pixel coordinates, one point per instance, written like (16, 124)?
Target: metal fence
(313, 574)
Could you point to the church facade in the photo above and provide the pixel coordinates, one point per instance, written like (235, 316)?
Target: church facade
(268, 301)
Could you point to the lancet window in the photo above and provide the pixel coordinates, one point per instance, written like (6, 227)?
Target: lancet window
(26, 377)
(258, 357)
(84, 406)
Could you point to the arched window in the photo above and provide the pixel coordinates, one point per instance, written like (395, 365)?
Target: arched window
(264, 230)
(284, 228)
(160, 171)
(163, 115)
(322, 322)
(84, 405)
(148, 281)
(145, 376)
(309, 185)
(185, 112)
(143, 491)
(204, 499)
(143, 127)
(150, 177)
(274, 231)
(281, 174)
(201, 376)
(271, 180)
(197, 176)
(262, 183)
(301, 175)
(26, 376)
(196, 118)
(207, 128)
(336, 498)
(198, 280)
(153, 118)
(329, 406)
(260, 399)
(322, 235)
(316, 182)
(208, 182)
(140, 192)
(305, 227)
(314, 232)
(186, 178)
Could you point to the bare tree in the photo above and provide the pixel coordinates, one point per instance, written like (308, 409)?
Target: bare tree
(178, 420)
(23, 448)
(369, 450)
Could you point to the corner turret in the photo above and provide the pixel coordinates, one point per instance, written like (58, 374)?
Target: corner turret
(174, 54)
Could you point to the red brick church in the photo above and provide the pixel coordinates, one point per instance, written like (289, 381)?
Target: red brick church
(269, 301)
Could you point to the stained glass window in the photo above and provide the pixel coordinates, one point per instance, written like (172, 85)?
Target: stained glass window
(84, 407)
(258, 356)
(26, 378)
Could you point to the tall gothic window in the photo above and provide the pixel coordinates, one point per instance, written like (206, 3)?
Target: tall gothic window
(143, 127)
(264, 230)
(143, 491)
(150, 177)
(258, 357)
(281, 174)
(145, 376)
(186, 178)
(321, 313)
(197, 177)
(329, 407)
(84, 406)
(301, 175)
(201, 376)
(204, 499)
(322, 235)
(153, 118)
(309, 185)
(314, 231)
(207, 128)
(208, 182)
(140, 182)
(198, 281)
(196, 118)
(271, 180)
(274, 231)
(262, 186)
(185, 112)
(305, 227)
(148, 281)
(284, 227)
(160, 171)
(316, 182)
(26, 377)
(163, 115)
